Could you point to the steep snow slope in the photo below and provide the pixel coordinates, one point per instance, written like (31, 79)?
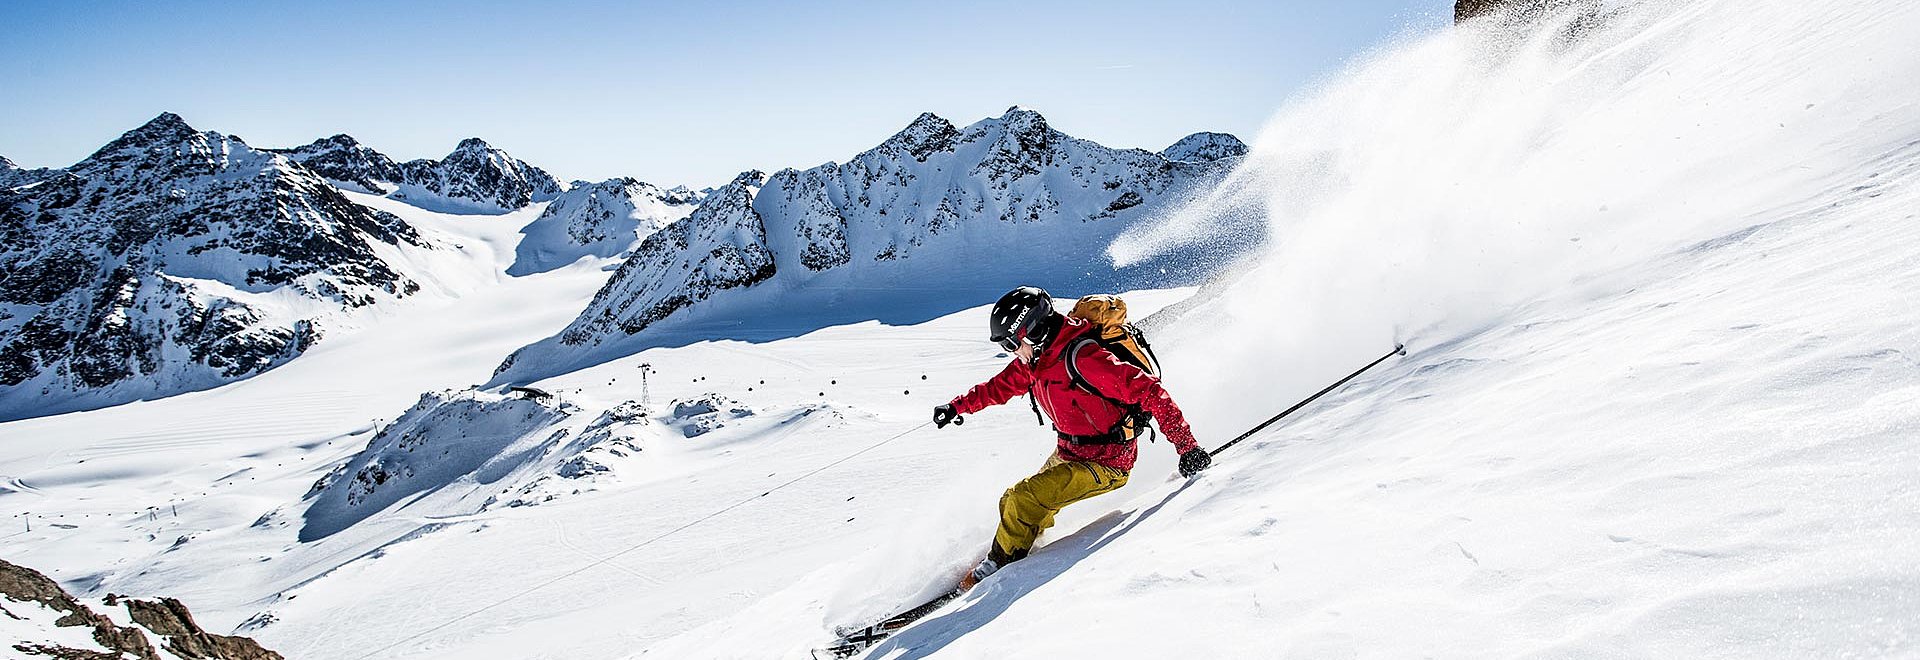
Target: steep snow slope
(1659, 278)
(1657, 273)
(604, 219)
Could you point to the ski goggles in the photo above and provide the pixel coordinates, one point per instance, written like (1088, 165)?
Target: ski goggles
(1009, 343)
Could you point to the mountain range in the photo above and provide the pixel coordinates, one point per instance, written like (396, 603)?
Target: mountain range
(174, 259)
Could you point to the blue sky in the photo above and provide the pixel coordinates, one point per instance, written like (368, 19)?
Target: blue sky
(670, 93)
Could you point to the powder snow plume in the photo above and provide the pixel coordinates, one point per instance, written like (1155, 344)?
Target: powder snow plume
(1445, 181)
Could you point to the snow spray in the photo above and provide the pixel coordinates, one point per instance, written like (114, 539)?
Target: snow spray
(1434, 188)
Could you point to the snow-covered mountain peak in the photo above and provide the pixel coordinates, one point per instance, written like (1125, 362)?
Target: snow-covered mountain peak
(167, 128)
(167, 141)
(603, 219)
(349, 164)
(720, 245)
(1205, 147)
(474, 144)
(475, 177)
(750, 179)
(931, 199)
(1024, 120)
(926, 135)
(1023, 131)
(172, 260)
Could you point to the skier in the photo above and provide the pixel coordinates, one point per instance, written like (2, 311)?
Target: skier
(1086, 394)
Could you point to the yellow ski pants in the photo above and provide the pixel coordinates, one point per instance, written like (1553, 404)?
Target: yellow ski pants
(1028, 507)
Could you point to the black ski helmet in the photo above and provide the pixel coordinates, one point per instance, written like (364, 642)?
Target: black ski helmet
(1024, 312)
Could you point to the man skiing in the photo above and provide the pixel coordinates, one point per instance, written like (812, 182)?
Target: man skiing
(1086, 394)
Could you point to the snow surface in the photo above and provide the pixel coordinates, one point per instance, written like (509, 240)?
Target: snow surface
(1686, 433)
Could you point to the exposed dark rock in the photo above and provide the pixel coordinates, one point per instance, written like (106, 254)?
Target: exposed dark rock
(1205, 147)
(12, 175)
(167, 618)
(348, 163)
(170, 619)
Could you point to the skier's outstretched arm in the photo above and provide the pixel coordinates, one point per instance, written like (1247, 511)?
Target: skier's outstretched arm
(1012, 381)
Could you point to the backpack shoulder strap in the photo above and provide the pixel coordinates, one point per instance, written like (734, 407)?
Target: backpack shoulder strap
(1153, 361)
(1073, 369)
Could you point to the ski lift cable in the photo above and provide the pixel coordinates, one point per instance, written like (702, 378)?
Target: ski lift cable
(609, 558)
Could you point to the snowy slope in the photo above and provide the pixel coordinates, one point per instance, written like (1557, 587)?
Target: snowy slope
(1663, 388)
(1684, 434)
(218, 459)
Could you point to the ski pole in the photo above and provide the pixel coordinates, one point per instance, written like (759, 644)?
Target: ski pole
(1398, 349)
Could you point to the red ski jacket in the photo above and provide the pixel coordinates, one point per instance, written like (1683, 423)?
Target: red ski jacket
(1076, 411)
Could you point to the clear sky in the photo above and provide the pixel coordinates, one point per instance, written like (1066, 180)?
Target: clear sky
(672, 93)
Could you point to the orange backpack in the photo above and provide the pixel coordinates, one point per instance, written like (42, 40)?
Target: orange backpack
(1108, 316)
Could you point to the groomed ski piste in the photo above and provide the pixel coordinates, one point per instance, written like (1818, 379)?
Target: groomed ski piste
(1655, 268)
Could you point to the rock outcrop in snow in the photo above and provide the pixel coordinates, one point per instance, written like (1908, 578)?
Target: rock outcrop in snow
(1205, 147)
(475, 178)
(931, 194)
(447, 438)
(42, 619)
(603, 219)
(704, 414)
(475, 450)
(173, 260)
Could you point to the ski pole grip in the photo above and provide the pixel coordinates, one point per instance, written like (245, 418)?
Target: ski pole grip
(959, 420)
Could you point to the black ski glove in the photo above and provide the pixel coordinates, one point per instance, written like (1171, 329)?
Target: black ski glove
(944, 413)
(1195, 460)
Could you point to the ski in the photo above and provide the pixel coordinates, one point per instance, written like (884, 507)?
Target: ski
(854, 640)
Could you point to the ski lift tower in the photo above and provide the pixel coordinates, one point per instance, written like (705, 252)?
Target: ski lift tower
(646, 397)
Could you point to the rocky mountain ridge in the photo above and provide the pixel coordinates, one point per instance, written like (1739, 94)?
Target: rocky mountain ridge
(476, 177)
(13, 176)
(931, 193)
(173, 259)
